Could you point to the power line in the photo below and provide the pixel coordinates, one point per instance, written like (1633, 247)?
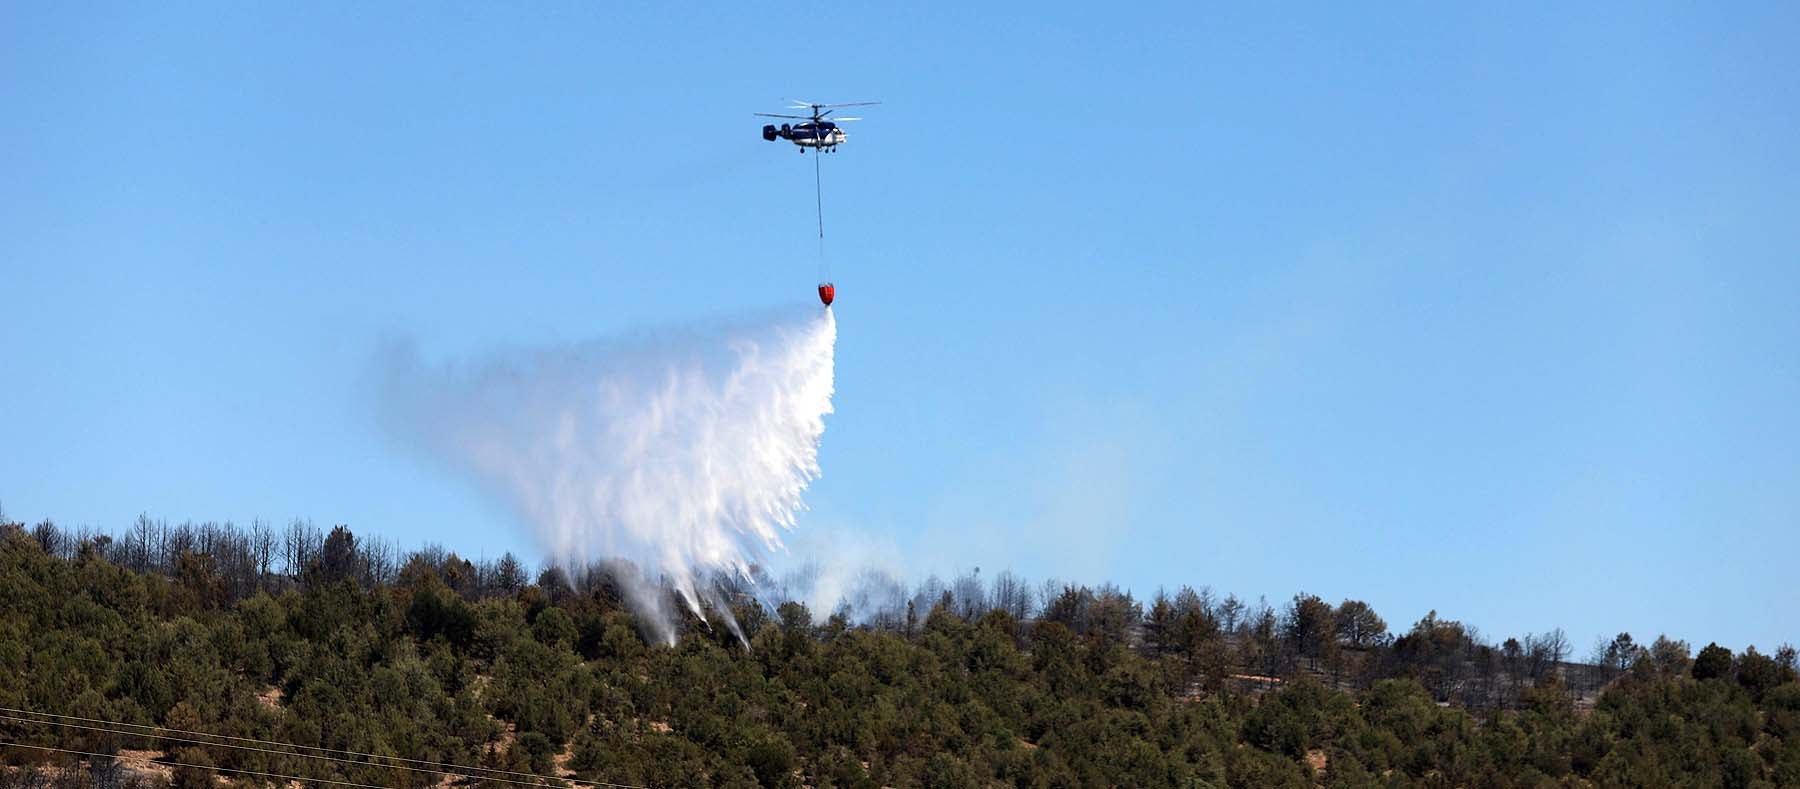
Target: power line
(155, 729)
(470, 771)
(277, 752)
(185, 764)
(259, 741)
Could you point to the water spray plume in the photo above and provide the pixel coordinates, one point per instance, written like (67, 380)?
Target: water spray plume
(684, 452)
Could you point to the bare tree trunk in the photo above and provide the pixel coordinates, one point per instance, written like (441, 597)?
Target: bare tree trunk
(262, 549)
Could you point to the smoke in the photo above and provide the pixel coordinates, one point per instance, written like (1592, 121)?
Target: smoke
(682, 452)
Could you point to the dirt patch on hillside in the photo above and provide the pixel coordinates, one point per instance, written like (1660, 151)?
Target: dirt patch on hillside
(145, 763)
(1317, 760)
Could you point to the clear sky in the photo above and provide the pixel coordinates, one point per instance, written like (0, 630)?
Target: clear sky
(1492, 310)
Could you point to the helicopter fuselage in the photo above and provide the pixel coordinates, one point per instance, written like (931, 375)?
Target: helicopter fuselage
(823, 135)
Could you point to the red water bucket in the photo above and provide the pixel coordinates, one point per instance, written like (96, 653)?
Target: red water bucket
(827, 292)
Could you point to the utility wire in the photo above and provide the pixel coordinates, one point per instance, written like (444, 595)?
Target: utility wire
(184, 764)
(258, 741)
(342, 760)
(264, 742)
(472, 772)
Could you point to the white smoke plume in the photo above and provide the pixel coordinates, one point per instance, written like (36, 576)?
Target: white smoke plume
(684, 452)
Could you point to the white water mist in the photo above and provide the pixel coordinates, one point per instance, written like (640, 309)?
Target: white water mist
(684, 452)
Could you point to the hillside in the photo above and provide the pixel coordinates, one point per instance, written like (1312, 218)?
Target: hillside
(409, 667)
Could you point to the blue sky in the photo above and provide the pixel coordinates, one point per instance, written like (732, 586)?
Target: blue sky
(1487, 310)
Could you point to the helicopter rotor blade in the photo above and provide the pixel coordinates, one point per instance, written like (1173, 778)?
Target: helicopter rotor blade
(773, 115)
(840, 120)
(852, 104)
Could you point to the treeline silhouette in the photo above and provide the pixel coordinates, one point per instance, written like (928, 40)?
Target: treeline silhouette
(323, 639)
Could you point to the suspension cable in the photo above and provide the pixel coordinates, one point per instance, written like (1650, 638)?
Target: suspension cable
(819, 202)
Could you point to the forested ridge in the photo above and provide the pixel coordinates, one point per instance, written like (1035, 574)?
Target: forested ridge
(326, 641)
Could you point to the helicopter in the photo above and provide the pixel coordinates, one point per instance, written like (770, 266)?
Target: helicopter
(818, 131)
